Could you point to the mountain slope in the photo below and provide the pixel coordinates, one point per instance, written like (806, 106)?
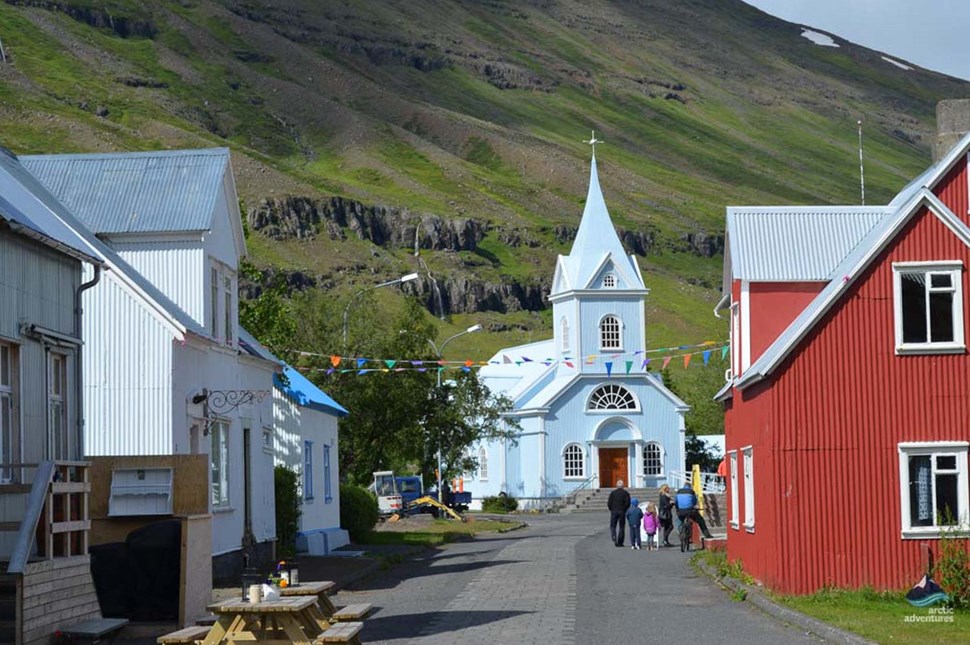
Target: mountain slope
(457, 128)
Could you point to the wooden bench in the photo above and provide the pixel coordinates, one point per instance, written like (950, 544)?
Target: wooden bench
(341, 633)
(94, 630)
(352, 612)
(189, 635)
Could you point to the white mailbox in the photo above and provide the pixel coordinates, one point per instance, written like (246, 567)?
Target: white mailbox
(140, 491)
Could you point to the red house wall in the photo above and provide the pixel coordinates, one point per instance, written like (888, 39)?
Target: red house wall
(773, 306)
(828, 423)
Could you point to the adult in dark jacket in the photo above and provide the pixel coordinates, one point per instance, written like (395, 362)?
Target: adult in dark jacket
(665, 513)
(686, 502)
(618, 503)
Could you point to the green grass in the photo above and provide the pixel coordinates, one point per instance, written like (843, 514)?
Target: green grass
(438, 532)
(884, 617)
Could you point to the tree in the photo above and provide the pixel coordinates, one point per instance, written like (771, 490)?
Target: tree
(268, 316)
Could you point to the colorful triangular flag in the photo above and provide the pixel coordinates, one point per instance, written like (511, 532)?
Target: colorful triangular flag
(361, 361)
(667, 361)
(686, 360)
(724, 351)
(335, 361)
(629, 364)
(707, 356)
(390, 362)
(609, 368)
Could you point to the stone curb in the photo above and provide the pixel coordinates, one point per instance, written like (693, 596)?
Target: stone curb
(356, 576)
(519, 525)
(757, 598)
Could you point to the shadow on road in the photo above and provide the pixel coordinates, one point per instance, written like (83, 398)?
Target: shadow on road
(379, 628)
(421, 568)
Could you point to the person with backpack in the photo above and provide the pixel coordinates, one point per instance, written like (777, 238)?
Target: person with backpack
(633, 517)
(686, 503)
(665, 513)
(618, 503)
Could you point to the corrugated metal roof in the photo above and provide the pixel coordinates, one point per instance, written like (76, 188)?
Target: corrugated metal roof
(795, 244)
(136, 192)
(844, 276)
(25, 202)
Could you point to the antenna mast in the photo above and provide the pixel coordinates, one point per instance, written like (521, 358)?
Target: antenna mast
(862, 174)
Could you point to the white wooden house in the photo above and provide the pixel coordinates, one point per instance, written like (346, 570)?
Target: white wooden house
(166, 375)
(41, 281)
(305, 440)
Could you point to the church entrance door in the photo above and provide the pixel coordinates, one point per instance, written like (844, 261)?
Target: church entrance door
(613, 466)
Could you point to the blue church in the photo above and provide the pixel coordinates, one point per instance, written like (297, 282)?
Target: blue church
(588, 417)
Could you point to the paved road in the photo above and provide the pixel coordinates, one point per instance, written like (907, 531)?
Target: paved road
(559, 581)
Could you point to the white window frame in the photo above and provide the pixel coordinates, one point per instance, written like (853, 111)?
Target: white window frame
(609, 281)
(955, 269)
(229, 308)
(9, 392)
(735, 340)
(219, 451)
(748, 474)
(564, 332)
(604, 347)
(482, 464)
(589, 401)
(582, 462)
(735, 510)
(214, 300)
(933, 449)
(58, 434)
(307, 471)
(327, 483)
(659, 459)
(268, 446)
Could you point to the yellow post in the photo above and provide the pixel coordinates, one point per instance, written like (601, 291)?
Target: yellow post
(695, 481)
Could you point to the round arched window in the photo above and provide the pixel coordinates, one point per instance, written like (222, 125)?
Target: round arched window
(652, 459)
(610, 337)
(573, 464)
(612, 396)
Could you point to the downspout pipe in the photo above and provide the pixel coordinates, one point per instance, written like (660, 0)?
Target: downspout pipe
(721, 304)
(78, 365)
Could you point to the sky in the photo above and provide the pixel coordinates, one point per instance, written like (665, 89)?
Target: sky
(930, 33)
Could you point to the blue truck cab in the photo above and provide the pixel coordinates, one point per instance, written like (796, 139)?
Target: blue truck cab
(411, 488)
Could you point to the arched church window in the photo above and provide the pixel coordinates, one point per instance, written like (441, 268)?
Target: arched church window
(610, 333)
(652, 459)
(482, 464)
(612, 397)
(609, 281)
(573, 464)
(564, 332)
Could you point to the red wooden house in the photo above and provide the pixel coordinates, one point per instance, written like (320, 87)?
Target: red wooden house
(848, 403)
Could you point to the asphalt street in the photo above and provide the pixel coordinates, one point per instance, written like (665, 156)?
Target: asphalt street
(558, 581)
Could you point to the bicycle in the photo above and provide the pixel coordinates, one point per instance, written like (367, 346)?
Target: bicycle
(686, 533)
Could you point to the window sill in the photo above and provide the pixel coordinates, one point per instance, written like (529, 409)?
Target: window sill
(929, 532)
(327, 500)
(222, 509)
(734, 525)
(483, 479)
(307, 500)
(577, 478)
(749, 528)
(931, 348)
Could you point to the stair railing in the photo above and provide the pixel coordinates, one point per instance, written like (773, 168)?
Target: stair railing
(33, 509)
(587, 484)
(711, 483)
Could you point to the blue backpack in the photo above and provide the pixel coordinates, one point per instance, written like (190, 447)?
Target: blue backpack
(686, 501)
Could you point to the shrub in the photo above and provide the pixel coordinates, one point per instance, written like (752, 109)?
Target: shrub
(358, 511)
(287, 493)
(954, 566)
(500, 504)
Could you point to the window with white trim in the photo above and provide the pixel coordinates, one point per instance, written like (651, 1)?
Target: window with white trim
(227, 310)
(9, 407)
(735, 511)
(928, 307)
(612, 396)
(214, 302)
(268, 440)
(610, 333)
(748, 488)
(735, 340)
(308, 471)
(573, 462)
(327, 483)
(933, 487)
(482, 464)
(609, 281)
(219, 458)
(564, 332)
(653, 462)
(57, 431)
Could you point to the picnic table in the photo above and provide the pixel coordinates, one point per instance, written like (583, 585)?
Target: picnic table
(318, 589)
(295, 619)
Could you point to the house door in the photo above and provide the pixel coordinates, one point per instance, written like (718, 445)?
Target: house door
(247, 485)
(613, 466)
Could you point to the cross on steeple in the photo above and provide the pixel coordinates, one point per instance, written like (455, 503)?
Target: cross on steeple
(593, 141)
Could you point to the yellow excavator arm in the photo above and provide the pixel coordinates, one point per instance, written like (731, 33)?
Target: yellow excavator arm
(431, 501)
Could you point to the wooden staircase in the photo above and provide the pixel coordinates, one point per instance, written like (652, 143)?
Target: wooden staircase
(44, 527)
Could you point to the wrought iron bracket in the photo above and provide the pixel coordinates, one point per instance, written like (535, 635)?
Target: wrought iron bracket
(216, 403)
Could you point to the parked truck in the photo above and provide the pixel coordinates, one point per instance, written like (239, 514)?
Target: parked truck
(405, 494)
(411, 489)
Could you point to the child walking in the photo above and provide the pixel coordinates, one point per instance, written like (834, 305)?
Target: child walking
(650, 524)
(633, 517)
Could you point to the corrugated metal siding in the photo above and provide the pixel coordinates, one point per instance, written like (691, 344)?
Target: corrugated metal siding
(772, 308)
(128, 375)
(176, 269)
(136, 192)
(952, 190)
(795, 244)
(828, 425)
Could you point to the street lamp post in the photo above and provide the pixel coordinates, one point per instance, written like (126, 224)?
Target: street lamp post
(439, 352)
(406, 278)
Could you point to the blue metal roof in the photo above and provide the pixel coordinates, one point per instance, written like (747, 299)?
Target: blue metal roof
(303, 392)
(795, 244)
(136, 192)
(25, 203)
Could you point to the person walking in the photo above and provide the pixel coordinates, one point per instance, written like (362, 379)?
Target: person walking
(634, 516)
(650, 524)
(665, 513)
(618, 503)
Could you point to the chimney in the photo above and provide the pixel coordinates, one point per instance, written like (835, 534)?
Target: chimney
(952, 122)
